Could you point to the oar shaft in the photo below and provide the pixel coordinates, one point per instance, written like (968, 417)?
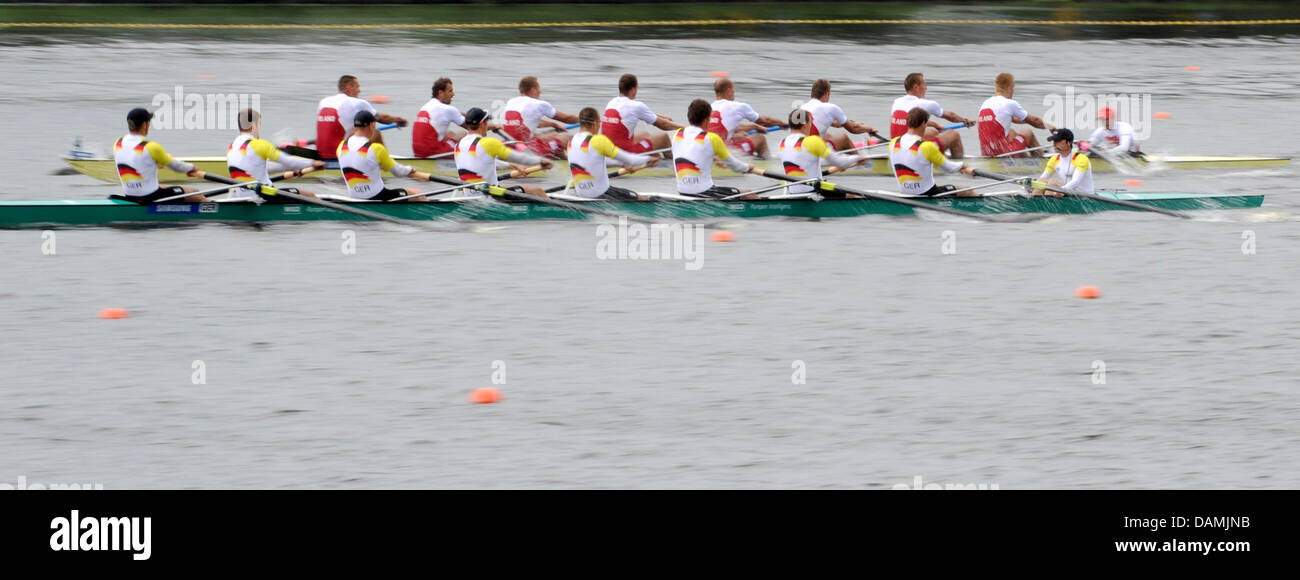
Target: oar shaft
(1094, 197)
(313, 201)
(827, 186)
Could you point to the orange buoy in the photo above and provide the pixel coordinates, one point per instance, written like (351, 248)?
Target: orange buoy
(1133, 182)
(718, 73)
(485, 395)
(379, 99)
(1162, 115)
(205, 76)
(722, 236)
(1193, 67)
(113, 313)
(1088, 292)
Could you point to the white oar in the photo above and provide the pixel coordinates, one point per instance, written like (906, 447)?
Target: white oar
(772, 188)
(865, 147)
(1010, 153)
(435, 192)
(268, 190)
(974, 187)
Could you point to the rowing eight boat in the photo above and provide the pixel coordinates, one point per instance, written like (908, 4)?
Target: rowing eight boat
(106, 169)
(22, 214)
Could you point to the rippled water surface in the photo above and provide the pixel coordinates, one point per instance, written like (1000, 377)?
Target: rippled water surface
(327, 370)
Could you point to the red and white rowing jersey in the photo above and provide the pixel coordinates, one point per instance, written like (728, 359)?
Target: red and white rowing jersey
(253, 159)
(620, 119)
(1076, 175)
(727, 115)
(996, 115)
(522, 115)
(694, 151)
(802, 155)
(429, 135)
(1119, 138)
(914, 160)
(823, 115)
(334, 116)
(904, 105)
(362, 162)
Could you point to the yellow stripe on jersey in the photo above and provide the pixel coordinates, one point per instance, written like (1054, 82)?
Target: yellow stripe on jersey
(604, 146)
(932, 153)
(385, 160)
(264, 149)
(493, 147)
(158, 154)
(1081, 162)
(719, 147)
(816, 146)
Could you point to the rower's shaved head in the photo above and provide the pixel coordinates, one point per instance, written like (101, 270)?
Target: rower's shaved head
(917, 117)
(912, 80)
(721, 86)
(346, 81)
(527, 84)
(626, 83)
(821, 88)
(1004, 82)
(698, 113)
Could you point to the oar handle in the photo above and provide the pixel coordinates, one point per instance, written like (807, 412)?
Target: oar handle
(525, 171)
(772, 128)
(295, 173)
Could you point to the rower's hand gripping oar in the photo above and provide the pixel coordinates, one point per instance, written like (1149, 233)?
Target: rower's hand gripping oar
(1137, 206)
(613, 174)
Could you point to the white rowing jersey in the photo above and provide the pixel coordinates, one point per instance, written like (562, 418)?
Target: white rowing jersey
(1076, 175)
(334, 117)
(523, 113)
(138, 160)
(620, 119)
(362, 162)
(996, 116)
(476, 158)
(694, 151)
(914, 160)
(253, 159)
(904, 105)
(429, 134)
(823, 115)
(802, 155)
(727, 115)
(587, 155)
(1119, 138)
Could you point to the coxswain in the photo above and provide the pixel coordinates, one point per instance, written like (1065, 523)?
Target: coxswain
(1114, 136)
(1068, 169)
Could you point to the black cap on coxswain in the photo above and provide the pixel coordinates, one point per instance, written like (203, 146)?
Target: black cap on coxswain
(138, 117)
(363, 119)
(475, 116)
(1062, 135)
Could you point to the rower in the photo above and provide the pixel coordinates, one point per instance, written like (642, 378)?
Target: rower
(335, 115)
(914, 159)
(138, 160)
(1113, 136)
(733, 120)
(826, 114)
(802, 154)
(362, 159)
(432, 133)
(526, 113)
(949, 140)
(622, 115)
(694, 152)
(251, 158)
(998, 112)
(477, 154)
(588, 152)
(1074, 175)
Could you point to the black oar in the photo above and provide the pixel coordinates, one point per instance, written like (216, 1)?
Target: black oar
(268, 190)
(1137, 206)
(828, 186)
(612, 174)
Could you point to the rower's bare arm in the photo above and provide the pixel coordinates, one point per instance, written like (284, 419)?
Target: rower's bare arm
(954, 117)
(1037, 123)
(857, 128)
(558, 126)
(667, 124)
(767, 121)
(386, 118)
(746, 127)
(563, 117)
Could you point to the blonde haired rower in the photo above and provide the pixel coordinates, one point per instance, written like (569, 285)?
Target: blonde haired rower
(998, 112)
(588, 152)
